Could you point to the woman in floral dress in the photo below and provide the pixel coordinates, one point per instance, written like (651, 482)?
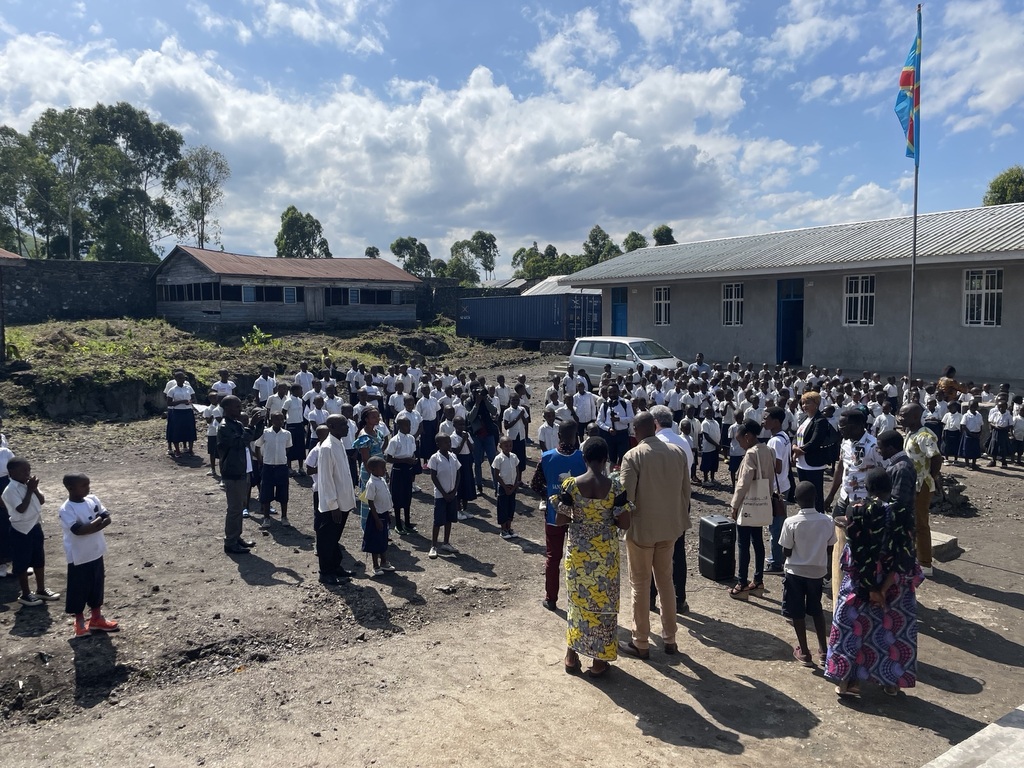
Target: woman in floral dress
(874, 627)
(594, 507)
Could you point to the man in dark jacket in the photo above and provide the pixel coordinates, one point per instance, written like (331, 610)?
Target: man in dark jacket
(233, 439)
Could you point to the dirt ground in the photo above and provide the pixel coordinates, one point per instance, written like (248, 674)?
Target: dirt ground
(249, 661)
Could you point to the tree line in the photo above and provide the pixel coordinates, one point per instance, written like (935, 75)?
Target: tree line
(106, 183)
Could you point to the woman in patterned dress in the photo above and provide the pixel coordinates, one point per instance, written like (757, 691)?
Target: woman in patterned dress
(595, 508)
(874, 627)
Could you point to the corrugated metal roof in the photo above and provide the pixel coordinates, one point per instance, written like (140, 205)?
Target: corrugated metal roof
(242, 265)
(511, 282)
(550, 285)
(5, 254)
(973, 231)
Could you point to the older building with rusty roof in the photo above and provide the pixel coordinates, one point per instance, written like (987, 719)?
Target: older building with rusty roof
(198, 286)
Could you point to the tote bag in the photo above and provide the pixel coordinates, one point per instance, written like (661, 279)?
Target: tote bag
(756, 510)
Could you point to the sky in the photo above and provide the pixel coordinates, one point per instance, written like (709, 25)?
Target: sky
(536, 121)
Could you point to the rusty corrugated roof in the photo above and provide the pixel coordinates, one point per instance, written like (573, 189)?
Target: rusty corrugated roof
(242, 265)
(5, 254)
(989, 231)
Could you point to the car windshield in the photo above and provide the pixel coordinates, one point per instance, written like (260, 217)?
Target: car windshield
(649, 350)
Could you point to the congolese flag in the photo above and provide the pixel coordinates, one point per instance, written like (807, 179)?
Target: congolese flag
(908, 102)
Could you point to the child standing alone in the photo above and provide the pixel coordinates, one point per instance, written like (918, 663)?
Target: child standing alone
(805, 539)
(83, 518)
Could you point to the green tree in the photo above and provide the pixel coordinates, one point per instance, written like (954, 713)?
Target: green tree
(438, 268)
(663, 235)
(634, 241)
(550, 252)
(1007, 187)
(372, 252)
(462, 263)
(16, 153)
(413, 256)
(599, 246)
(145, 152)
(196, 182)
(485, 249)
(67, 140)
(301, 236)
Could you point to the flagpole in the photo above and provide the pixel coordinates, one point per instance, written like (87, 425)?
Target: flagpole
(915, 101)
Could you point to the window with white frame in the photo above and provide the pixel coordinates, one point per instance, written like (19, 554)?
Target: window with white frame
(353, 295)
(983, 297)
(289, 294)
(732, 303)
(662, 304)
(248, 294)
(859, 295)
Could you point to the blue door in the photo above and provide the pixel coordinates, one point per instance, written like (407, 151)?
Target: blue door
(789, 328)
(620, 311)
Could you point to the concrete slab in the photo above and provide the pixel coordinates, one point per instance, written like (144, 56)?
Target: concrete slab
(999, 745)
(944, 547)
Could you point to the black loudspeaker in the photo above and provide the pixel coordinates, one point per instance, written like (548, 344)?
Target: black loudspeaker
(717, 548)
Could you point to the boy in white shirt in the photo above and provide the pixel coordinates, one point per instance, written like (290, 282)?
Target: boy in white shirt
(6, 454)
(225, 386)
(735, 449)
(448, 425)
(509, 473)
(515, 420)
(212, 415)
(547, 435)
(304, 377)
(316, 416)
(444, 474)
(806, 539)
(379, 505)
(264, 386)
(272, 447)
(83, 518)
(710, 447)
(24, 504)
(295, 422)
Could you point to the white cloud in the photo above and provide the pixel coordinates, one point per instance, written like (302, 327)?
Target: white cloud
(666, 21)
(847, 88)
(976, 72)
(95, 29)
(810, 28)
(578, 38)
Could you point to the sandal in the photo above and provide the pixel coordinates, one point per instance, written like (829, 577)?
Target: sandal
(757, 590)
(574, 668)
(803, 658)
(740, 592)
(822, 656)
(593, 673)
(890, 690)
(845, 691)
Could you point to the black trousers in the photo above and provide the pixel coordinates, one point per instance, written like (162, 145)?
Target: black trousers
(678, 571)
(85, 586)
(328, 541)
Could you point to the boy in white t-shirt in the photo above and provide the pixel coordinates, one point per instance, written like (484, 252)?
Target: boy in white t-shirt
(213, 415)
(24, 504)
(224, 386)
(509, 473)
(83, 518)
(806, 538)
(378, 518)
(547, 435)
(444, 474)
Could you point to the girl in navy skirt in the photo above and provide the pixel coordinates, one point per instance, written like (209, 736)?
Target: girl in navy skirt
(401, 454)
(462, 447)
(951, 436)
(378, 517)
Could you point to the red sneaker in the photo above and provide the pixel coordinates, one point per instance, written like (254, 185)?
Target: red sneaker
(81, 630)
(102, 625)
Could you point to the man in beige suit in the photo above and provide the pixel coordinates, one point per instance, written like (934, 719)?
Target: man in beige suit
(656, 479)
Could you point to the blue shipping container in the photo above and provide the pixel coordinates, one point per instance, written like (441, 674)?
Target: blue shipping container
(553, 317)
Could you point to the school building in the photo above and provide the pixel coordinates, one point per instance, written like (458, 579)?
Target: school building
(200, 286)
(837, 296)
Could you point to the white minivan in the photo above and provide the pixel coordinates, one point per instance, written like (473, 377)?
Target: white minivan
(593, 353)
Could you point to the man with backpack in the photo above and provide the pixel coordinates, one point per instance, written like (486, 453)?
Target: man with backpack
(815, 447)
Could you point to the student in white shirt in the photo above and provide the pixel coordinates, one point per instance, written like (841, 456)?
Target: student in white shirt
(304, 377)
(884, 421)
(272, 447)
(316, 416)
(428, 410)
(782, 451)
(213, 414)
(444, 475)
(313, 461)
(83, 518)
(264, 386)
(24, 502)
(400, 453)
(509, 472)
(225, 386)
(181, 417)
(333, 403)
(736, 451)
(379, 508)
(710, 447)
(547, 435)
(970, 430)
(295, 423)
(614, 418)
(516, 421)
(462, 447)
(585, 407)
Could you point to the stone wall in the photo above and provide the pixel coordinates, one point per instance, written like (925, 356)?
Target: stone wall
(440, 296)
(38, 290)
